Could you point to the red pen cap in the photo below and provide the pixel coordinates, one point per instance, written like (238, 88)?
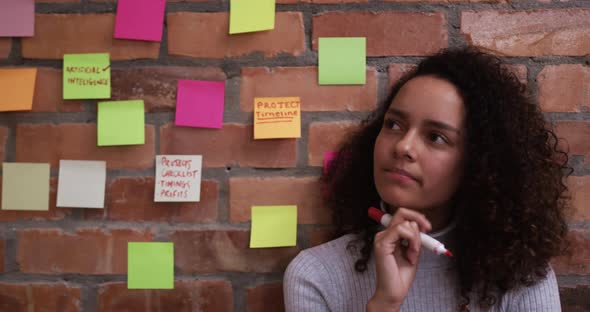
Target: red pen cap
(376, 214)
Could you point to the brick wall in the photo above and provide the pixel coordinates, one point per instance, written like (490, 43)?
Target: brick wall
(75, 260)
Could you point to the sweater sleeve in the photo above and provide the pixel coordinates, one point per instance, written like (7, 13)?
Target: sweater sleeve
(541, 297)
(305, 284)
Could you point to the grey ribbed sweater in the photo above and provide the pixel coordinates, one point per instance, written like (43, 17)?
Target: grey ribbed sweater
(323, 278)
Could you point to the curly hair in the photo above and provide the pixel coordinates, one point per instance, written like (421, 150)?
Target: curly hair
(512, 202)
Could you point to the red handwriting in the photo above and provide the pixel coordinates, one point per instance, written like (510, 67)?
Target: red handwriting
(179, 174)
(180, 184)
(279, 104)
(177, 163)
(174, 193)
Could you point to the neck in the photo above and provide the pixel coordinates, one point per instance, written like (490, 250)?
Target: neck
(439, 217)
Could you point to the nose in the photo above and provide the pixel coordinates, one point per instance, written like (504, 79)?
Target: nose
(406, 146)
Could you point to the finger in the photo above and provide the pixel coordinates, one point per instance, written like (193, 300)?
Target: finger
(411, 233)
(404, 214)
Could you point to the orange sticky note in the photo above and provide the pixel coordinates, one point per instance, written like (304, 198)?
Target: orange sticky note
(276, 118)
(17, 86)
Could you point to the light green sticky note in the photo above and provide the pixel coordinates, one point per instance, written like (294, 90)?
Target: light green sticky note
(273, 226)
(87, 76)
(150, 265)
(251, 15)
(25, 186)
(121, 123)
(342, 61)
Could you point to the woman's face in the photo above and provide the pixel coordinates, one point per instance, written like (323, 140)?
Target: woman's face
(419, 151)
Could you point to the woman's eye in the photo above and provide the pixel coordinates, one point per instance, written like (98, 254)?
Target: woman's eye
(437, 138)
(390, 124)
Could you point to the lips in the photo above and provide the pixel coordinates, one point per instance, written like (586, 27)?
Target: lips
(404, 173)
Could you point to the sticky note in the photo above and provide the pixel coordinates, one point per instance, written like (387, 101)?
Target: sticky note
(342, 61)
(121, 123)
(87, 76)
(150, 265)
(277, 118)
(140, 19)
(17, 18)
(25, 186)
(251, 15)
(328, 157)
(17, 86)
(178, 178)
(273, 226)
(81, 184)
(200, 103)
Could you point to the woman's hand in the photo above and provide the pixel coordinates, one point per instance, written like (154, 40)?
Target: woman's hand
(396, 264)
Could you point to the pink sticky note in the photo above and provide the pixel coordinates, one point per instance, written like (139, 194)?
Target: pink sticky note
(17, 18)
(328, 157)
(140, 19)
(200, 103)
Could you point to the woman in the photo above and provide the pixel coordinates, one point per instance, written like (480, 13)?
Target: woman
(461, 152)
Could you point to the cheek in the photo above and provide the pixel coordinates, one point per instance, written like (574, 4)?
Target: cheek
(443, 175)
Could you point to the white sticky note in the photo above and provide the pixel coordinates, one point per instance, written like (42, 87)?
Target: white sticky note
(81, 184)
(178, 178)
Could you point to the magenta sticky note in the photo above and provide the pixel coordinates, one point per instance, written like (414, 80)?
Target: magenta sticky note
(200, 103)
(328, 157)
(140, 19)
(17, 18)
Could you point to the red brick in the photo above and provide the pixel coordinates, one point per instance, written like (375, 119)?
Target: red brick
(564, 88)
(303, 82)
(579, 260)
(519, 33)
(58, 34)
(50, 143)
(2, 255)
(265, 298)
(40, 297)
(57, 1)
(326, 137)
(318, 236)
(580, 189)
(397, 71)
(49, 93)
(387, 33)
(209, 251)
(3, 138)
(319, 1)
(86, 251)
(214, 41)
(233, 145)
(5, 47)
(576, 133)
(132, 199)
(205, 295)
(53, 214)
(157, 85)
(303, 192)
(575, 298)
(451, 1)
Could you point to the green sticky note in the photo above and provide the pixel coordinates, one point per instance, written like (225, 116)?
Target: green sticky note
(342, 61)
(121, 123)
(25, 186)
(273, 226)
(87, 76)
(251, 15)
(150, 265)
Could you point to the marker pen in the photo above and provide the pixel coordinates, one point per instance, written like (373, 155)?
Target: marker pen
(427, 241)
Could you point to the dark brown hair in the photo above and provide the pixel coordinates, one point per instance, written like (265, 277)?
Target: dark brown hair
(512, 196)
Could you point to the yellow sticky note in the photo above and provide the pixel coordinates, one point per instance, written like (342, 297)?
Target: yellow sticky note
(17, 86)
(25, 186)
(273, 226)
(251, 15)
(276, 118)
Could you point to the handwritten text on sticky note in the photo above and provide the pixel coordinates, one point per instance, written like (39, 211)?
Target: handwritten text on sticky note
(86, 76)
(277, 118)
(178, 178)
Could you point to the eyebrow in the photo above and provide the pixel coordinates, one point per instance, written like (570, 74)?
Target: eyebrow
(430, 122)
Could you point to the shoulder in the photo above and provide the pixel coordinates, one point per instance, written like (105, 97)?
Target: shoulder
(322, 257)
(541, 296)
